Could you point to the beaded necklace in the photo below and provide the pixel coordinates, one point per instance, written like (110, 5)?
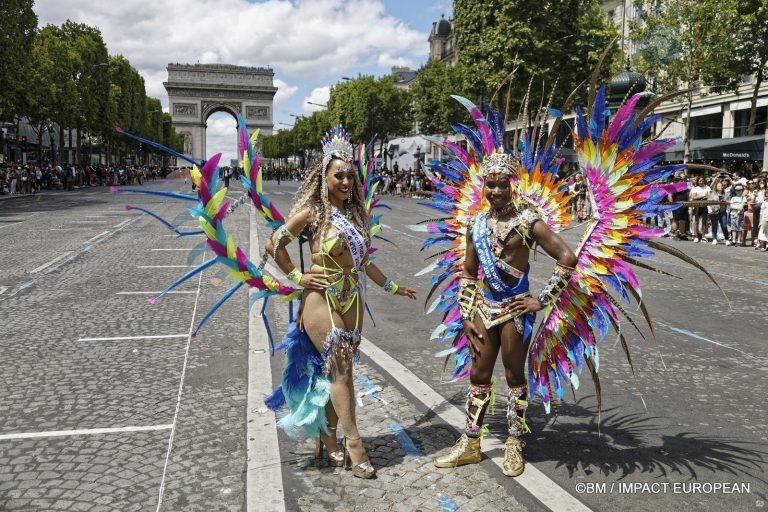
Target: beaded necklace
(495, 237)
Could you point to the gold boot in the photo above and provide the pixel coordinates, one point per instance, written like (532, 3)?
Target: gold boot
(465, 451)
(514, 465)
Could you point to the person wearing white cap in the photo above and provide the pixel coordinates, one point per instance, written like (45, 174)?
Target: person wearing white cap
(736, 215)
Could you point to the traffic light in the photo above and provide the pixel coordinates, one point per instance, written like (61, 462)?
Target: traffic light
(23, 139)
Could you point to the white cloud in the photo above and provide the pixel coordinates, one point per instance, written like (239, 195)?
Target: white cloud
(318, 96)
(300, 39)
(221, 136)
(284, 92)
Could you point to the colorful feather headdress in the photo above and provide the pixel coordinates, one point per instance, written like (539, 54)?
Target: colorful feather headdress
(336, 143)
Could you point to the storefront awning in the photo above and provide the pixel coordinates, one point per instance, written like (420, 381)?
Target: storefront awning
(748, 148)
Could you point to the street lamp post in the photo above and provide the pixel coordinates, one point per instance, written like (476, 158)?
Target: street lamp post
(317, 104)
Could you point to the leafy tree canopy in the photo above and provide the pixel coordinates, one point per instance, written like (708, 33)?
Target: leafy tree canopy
(503, 45)
(18, 24)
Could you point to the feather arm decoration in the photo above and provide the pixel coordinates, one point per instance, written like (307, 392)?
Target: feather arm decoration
(210, 212)
(624, 184)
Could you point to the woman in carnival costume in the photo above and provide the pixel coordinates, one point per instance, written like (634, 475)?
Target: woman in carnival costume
(499, 203)
(333, 211)
(317, 384)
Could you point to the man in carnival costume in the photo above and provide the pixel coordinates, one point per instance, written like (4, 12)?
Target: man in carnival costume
(498, 311)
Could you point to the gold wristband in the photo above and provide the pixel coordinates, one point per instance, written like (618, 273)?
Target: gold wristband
(295, 276)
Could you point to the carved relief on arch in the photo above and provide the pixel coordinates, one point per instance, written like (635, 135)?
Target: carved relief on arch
(188, 144)
(184, 109)
(253, 112)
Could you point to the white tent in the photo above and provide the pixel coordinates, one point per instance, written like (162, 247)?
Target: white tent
(404, 151)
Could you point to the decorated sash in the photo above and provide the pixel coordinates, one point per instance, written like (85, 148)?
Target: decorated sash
(487, 259)
(500, 290)
(356, 243)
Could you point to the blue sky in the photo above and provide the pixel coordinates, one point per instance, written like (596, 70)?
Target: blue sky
(310, 44)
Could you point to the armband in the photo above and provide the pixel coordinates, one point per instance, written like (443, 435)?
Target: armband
(561, 275)
(295, 276)
(390, 286)
(277, 238)
(467, 293)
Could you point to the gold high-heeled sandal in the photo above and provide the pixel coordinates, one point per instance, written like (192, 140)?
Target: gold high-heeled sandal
(363, 470)
(335, 459)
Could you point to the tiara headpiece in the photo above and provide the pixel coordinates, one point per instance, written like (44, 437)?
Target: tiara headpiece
(336, 144)
(498, 163)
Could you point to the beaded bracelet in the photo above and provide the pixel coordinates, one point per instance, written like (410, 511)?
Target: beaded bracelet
(390, 286)
(278, 236)
(466, 298)
(295, 276)
(561, 275)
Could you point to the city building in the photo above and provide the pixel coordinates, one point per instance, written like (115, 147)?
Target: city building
(441, 43)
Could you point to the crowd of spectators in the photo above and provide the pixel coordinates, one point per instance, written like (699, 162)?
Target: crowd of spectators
(395, 181)
(721, 208)
(32, 178)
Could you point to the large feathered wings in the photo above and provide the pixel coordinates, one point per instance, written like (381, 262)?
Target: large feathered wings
(212, 207)
(626, 182)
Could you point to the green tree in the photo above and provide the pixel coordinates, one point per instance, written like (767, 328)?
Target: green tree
(502, 45)
(85, 80)
(688, 26)
(432, 90)
(18, 24)
(127, 103)
(370, 107)
(737, 46)
(39, 100)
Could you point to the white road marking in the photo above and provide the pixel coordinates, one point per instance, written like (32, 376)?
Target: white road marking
(151, 293)
(87, 221)
(175, 235)
(178, 249)
(165, 266)
(126, 221)
(3, 289)
(120, 338)
(534, 481)
(263, 477)
(83, 432)
(161, 491)
(46, 265)
(97, 236)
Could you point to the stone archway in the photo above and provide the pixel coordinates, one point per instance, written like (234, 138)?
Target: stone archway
(195, 91)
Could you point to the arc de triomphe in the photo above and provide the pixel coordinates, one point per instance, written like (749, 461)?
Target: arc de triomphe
(195, 91)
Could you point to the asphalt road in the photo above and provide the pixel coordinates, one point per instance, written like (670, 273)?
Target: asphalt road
(107, 403)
